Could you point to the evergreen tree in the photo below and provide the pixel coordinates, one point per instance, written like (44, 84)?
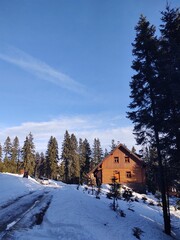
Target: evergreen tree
(114, 192)
(65, 156)
(41, 170)
(133, 150)
(8, 148)
(52, 157)
(28, 154)
(106, 152)
(84, 158)
(15, 155)
(0, 153)
(146, 112)
(113, 145)
(1, 162)
(37, 164)
(97, 153)
(74, 158)
(7, 154)
(61, 171)
(150, 158)
(169, 75)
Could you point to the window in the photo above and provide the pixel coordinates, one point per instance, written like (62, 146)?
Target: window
(128, 174)
(116, 159)
(127, 160)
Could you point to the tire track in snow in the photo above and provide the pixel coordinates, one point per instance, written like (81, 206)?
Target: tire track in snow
(23, 212)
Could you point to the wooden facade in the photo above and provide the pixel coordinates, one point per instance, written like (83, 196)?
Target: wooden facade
(126, 166)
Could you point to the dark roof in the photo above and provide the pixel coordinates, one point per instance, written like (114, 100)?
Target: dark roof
(135, 157)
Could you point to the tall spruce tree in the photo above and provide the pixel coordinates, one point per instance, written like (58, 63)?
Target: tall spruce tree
(97, 153)
(145, 106)
(74, 158)
(52, 157)
(113, 145)
(149, 155)
(15, 155)
(84, 158)
(41, 170)
(28, 154)
(65, 157)
(37, 164)
(1, 162)
(7, 148)
(169, 75)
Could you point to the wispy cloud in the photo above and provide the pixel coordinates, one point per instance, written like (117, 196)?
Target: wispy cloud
(89, 127)
(40, 69)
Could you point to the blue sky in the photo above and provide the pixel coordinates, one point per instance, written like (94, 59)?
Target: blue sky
(66, 64)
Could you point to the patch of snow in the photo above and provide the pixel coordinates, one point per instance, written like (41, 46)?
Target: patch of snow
(76, 215)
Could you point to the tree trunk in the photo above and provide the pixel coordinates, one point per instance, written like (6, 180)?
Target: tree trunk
(165, 202)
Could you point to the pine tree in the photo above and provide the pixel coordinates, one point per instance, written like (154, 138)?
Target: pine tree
(37, 164)
(15, 155)
(8, 154)
(113, 145)
(41, 170)
(52, 157)
(84, 158)
(0, 153)
(97, 153)
(146, 112)
(169, 75)
(106, 153)
(149, 155)
(114, 192)
(1, 162)
(133, 150)
(74, 158)
(65, 156)
(28, 154)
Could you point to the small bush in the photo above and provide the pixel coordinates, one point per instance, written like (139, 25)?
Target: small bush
(121, 213)
(136, 199)
(127, 194)
(151, 203)
(109, 195)
(137, 232)
(144, 199)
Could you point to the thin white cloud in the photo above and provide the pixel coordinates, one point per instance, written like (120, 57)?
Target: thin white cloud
(89, 127)
(40, 69)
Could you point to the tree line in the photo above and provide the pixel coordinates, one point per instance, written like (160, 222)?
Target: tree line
(77, 158)
(155, 100)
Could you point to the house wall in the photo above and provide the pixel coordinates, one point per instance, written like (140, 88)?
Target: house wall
(111, 168)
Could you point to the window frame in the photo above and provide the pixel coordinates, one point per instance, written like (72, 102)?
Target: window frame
(128, 174)
(116, 159)
(126, 159)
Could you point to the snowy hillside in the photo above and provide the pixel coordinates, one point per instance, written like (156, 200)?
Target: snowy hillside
(74, 214)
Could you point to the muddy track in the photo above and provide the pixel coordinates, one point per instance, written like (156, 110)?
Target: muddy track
(23, 213)
(7, 204)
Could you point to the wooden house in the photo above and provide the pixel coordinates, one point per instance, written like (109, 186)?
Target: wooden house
(126, 166)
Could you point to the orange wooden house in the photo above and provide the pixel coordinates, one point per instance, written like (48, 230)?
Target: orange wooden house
(126, 166)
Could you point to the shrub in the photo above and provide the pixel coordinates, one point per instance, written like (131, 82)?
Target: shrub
(136, 199)
(121, 213)
(137, 232)
(127, 194)
(151, 203)
(144, 198)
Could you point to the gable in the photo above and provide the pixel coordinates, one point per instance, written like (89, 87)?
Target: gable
(118, 158)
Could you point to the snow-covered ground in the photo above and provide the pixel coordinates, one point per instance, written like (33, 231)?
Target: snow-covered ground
(77, 215)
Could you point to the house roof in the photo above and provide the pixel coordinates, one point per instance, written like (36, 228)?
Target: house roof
(124, 149)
